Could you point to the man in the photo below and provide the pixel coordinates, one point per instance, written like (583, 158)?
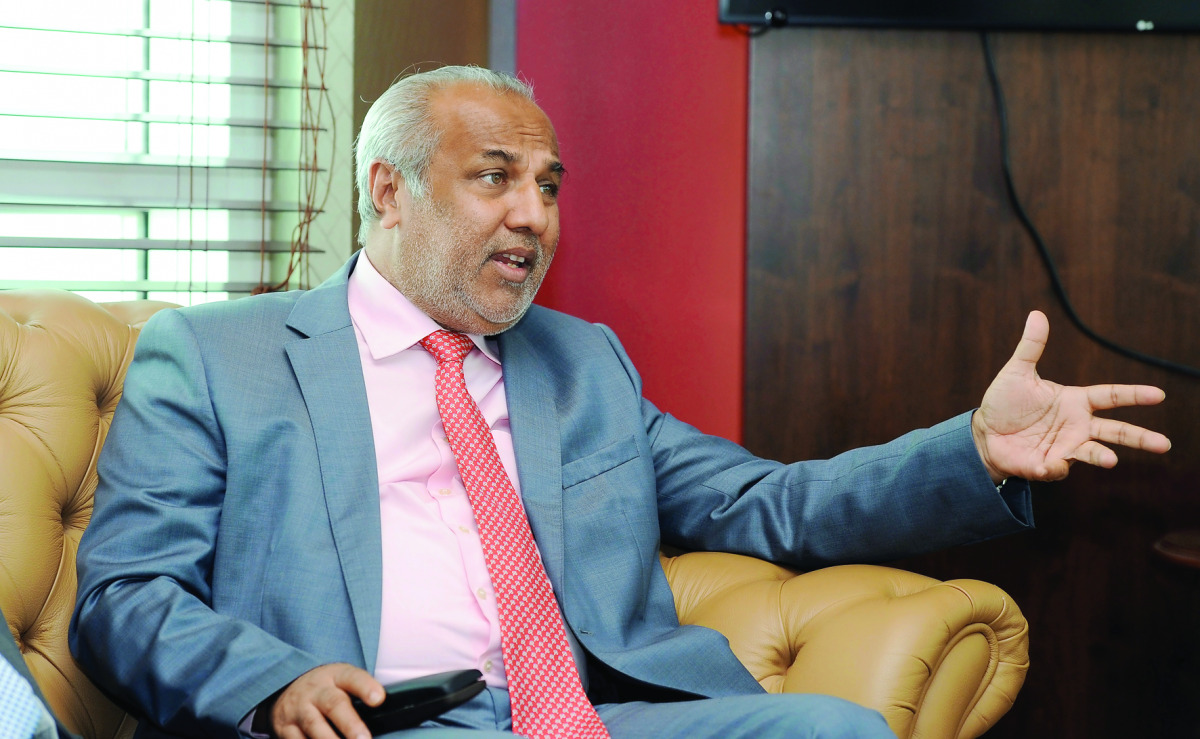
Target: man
(291, 509)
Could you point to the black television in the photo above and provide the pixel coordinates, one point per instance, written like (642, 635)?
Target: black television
(1015, 15)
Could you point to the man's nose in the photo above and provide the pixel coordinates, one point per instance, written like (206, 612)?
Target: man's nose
(528, 210)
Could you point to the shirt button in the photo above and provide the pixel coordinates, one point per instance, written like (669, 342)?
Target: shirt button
(487, 666)
(481, 593)
(444, 491)
(464, 529)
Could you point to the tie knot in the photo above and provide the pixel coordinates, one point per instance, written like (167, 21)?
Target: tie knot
(448, 346)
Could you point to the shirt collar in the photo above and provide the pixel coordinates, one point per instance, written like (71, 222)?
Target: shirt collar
(387, 321)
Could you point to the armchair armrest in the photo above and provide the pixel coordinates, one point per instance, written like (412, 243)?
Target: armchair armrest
(937, 659)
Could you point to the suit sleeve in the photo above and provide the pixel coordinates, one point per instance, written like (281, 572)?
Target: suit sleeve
(144, 628)
(924, 491)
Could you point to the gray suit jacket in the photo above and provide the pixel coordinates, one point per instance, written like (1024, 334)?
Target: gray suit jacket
(235, 542)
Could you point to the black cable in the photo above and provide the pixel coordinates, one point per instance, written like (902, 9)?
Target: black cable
(1027, 223)
(753, 31)
(774, 18)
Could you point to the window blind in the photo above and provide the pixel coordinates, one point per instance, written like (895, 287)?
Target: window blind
(159, 148)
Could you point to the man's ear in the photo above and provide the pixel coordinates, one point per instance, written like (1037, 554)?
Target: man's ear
(388, 193)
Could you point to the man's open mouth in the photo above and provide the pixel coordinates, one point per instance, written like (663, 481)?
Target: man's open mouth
(514, 265)
(511, 260)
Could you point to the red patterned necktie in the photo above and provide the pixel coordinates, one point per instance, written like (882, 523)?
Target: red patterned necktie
(543, 683)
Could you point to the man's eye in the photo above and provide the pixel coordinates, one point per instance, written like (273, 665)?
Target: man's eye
(494, 178)
(549, 188)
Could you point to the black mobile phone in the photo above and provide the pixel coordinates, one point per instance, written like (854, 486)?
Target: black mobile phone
(411, 702)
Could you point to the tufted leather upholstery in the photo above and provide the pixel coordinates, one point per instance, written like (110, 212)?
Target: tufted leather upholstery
(937, 659)
(62, 361)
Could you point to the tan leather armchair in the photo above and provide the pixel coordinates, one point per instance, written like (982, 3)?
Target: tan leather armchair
(937, 659)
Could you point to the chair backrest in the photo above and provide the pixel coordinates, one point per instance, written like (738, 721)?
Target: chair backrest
(62, 364)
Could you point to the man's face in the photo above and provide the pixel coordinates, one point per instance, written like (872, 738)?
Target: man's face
(473, 252)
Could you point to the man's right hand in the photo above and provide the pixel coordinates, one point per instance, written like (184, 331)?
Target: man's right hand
(318, 702)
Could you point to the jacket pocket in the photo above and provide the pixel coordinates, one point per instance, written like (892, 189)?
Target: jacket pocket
(598, 462)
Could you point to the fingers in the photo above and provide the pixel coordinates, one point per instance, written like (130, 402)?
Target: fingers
(307, 723)
(1115, 432)
(349, 724)
(360, 684)
(1033, 340)
(321, 697)
(1110, 431)
(1096, 454)
(1089, 452)
(1104, 397)
(1051, 470)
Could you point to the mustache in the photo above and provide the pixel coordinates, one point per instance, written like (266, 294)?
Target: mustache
(516, 242)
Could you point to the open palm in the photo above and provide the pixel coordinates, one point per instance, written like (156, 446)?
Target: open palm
(1033, 428)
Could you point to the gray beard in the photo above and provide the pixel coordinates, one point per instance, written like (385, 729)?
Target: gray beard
(442, 289)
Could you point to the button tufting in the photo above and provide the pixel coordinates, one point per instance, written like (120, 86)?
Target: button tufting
(59, 354)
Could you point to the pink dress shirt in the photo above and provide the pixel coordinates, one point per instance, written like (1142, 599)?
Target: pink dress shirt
(439, 610)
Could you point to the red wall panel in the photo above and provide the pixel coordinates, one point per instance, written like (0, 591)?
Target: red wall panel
(649, 102)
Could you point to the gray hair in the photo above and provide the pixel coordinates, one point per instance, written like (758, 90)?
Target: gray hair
(399, 130)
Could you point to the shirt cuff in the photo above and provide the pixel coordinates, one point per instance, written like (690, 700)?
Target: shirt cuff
(246, 727)
(1015, 493)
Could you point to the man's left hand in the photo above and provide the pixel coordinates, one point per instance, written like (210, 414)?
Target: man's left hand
(1035, 429)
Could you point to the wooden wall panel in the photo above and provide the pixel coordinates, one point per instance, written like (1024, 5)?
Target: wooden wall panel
(394, 37)
(888, 280)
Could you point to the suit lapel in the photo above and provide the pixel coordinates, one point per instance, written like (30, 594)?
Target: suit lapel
(329, 373)
(330, 376)
(536, 442)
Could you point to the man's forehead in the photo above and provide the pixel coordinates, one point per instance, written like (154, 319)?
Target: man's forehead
(491, 124)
